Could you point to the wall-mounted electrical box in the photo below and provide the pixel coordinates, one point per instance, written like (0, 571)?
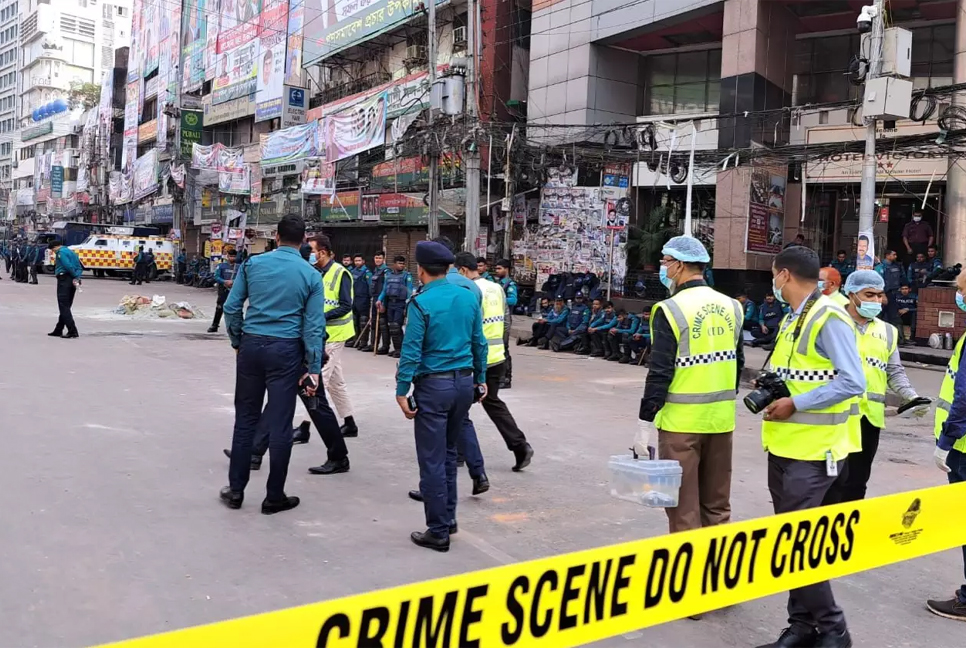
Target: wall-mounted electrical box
(896, 51)
(887, 98)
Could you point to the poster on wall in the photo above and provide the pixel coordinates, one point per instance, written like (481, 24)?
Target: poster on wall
(272, 28)
(293, 63)
(356, 129)
(236, 74)
(616, 213)
(239, 23)
(319, 179)
(150, 29)
(134, 62)
(212, 26)
(146, 174)
(865, 251)
(766, 211)
(289, 144)
(193, 40)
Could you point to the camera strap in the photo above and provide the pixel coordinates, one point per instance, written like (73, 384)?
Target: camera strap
(799, 324)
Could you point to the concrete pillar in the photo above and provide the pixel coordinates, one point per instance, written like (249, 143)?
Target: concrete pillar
(954, 227)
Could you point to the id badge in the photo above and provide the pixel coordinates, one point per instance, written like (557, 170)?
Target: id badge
(831, 466)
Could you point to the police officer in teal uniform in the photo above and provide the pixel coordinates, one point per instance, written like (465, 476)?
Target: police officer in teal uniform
(397, 288)
(444, 359)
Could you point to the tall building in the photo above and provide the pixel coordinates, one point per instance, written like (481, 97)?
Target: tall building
(9, 37)
(63, 45)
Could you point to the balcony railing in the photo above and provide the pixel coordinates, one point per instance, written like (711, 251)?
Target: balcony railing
(355, 86)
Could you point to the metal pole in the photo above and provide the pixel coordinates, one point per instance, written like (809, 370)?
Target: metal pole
(953, 229)
(473, 155)
(433, 151)
(867, 194)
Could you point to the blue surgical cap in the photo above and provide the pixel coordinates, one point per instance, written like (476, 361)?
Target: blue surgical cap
(862, 279)
(687, 249)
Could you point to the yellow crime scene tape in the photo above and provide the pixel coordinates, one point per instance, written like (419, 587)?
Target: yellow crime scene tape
(585, 596)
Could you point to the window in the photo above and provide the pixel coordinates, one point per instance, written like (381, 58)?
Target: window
(681, 83)
(101, 242)
(933, 50)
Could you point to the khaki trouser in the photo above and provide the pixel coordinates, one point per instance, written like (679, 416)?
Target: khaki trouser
(705, 497)
(333, 381)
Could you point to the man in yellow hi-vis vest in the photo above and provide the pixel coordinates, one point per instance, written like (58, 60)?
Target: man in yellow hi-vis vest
(808, 434)
(878, 343)
(950, 452)
(339, 329)
(696, 362)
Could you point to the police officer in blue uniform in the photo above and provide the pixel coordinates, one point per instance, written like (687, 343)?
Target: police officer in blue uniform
(396, 290)
(361, 299)
(568, 336)
(380, 331)
(894, 278)
(34, 257)
(443, 357)
(224, 275)
(280, 343)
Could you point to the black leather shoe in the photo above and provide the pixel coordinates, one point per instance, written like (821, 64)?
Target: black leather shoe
(382, 352)
(302, 433)
(331, 467)
(71, 336)
(394, 354)
(506, 384)
(366, 349)
(55, 334)
(834, 640)
(624, 360)
(453, 528)
(256, 460)
(212, 329)
(613, 358)
(430, 541)
(523, 458)
(232, 499)
(416, 495)
(795, 637)
(481, 484)
(270, 508)
(350, 429)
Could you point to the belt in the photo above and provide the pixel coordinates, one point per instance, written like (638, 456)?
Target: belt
(459, 373)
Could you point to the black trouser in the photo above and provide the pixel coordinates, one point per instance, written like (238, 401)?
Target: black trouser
(65, 299)
(851, 484)
(273, 365)
(325, 421)
(182, 267)
(360, 316)
(138, 276)
(498, 412)
(537, 331)
(9, 262)
(612, 343)
(892, 313)
(764, 338)
(219, 305)
(21, 271)
(795, 486)
(33, 273)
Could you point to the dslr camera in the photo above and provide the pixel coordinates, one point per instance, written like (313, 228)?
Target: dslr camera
(769, 387)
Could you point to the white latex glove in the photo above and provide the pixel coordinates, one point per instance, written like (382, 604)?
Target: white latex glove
(645, 440)
(940, 456)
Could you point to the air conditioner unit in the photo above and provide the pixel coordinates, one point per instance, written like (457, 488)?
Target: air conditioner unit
(459, 38)
(415, 55)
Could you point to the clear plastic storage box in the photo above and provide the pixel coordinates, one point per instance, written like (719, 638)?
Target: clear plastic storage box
(650, 483)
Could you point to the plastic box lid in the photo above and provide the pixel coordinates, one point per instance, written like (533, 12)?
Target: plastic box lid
(656, 467)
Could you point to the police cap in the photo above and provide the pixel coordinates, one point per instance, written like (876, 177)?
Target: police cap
(433, 253)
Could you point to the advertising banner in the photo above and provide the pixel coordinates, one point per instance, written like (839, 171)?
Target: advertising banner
(57, 182)
(150, 29)
(134, 61)
(239, 23)
(212, 27)
(255, 176)
(293, 63)
(232, 172)
(269, 86)
(289, 144)
(355, 129)
(319, 179)
(190, 130)
(339, 24)
(766, 210)
(146, 174)
(129, 143)
(193, 24)
(236, 74)
(204, 157)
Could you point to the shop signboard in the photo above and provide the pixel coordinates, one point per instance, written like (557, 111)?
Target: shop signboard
(227, 111)
(190, 130)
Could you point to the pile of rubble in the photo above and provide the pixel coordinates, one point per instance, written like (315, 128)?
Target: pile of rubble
(142, 307)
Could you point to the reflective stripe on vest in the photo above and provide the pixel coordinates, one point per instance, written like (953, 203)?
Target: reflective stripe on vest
(493, 303)
(343, 328)
(809, 435)
(701, 396)
(876, 346)
(946, 394)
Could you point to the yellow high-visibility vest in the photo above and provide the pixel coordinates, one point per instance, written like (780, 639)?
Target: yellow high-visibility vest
(876, 346)
(707, 327)
(946, 393)
(809, 435)
(494, 305)
(343, 328)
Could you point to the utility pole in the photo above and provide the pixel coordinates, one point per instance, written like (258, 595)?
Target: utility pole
(473, 155)
(867, 195)
(433, 150)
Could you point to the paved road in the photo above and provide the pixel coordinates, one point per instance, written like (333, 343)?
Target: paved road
(112, 462)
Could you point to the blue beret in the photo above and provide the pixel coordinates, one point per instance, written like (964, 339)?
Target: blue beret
(433, 253)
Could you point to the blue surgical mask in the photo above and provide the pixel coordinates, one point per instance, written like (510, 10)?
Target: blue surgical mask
(778, 292)
(869, 310)
(313, 259)
(960, 301)
(662, 275)
(821, 286)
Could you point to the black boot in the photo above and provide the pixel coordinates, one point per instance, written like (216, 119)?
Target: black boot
(349, 429)
(331, 467)
(543, 344)
(302, 433)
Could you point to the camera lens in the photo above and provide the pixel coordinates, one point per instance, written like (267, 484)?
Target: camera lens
(757, 400)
